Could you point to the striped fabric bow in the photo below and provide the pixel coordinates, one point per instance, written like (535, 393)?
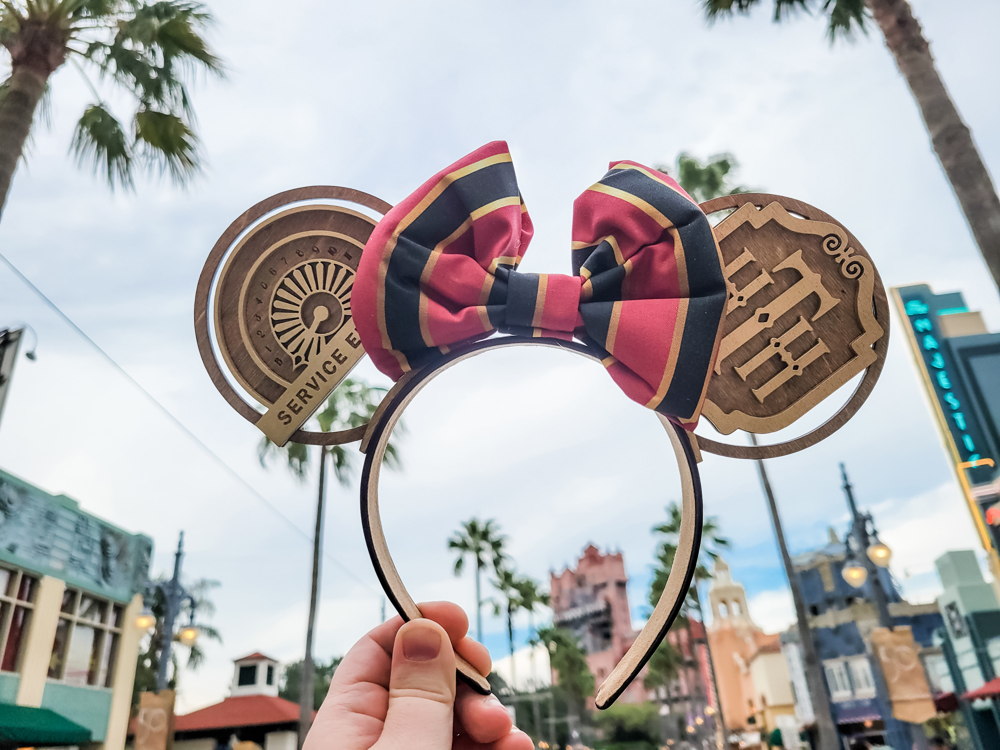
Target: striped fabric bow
(647, 290)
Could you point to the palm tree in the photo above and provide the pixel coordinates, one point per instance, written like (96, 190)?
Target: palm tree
(712, 542)
(352, 404)
(950, 136)
(485, 543)
(144, 50)
(661, 671)
(702, 180)
(506, 584)
(709, 180)
(532, 597)
(569, 661)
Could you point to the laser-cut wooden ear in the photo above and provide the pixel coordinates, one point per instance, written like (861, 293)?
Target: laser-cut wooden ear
(806, 313)
(678, 582)
(279, 282)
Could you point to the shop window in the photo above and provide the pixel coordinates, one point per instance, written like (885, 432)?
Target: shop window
(861, 676)
(837, 680)
(85, 648)
(17, 598)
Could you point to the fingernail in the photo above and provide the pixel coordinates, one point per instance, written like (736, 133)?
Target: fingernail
(421, 643)
(491, 700)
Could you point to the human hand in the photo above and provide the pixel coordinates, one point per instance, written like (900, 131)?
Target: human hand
(396, 690)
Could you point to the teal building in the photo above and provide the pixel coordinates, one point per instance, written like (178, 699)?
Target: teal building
(70, 592)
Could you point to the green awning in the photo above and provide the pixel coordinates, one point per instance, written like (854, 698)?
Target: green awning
(21, 726)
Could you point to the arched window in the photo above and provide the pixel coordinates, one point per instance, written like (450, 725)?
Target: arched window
(723, 610)
(734, 607)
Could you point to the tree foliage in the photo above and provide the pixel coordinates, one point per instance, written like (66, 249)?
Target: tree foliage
(712, 543)
(704, 181)
(291, 682)
(352, 404)
(146, 51)
(844, 17)
(196, 610)
(630, 723)
(483, 542)
(569, 660)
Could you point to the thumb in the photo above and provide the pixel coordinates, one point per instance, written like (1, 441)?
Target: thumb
(421, 690)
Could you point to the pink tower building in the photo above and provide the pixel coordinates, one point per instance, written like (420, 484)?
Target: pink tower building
(591, 601)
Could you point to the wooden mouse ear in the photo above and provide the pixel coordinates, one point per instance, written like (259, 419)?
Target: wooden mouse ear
(279, 284)
(806, 313)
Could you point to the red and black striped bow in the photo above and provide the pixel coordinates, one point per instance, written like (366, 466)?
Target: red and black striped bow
(648, 289)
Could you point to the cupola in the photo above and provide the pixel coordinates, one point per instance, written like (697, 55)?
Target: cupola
(255, 674)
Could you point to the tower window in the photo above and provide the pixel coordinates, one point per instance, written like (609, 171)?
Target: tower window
(247, 675)
(270, 674)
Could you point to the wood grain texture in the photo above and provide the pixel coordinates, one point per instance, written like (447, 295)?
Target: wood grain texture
(678, 582)
(787, 261)
(206, 282)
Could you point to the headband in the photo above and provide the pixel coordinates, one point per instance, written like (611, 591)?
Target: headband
(750, 323)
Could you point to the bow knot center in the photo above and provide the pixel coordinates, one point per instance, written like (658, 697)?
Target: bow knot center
(548, 301)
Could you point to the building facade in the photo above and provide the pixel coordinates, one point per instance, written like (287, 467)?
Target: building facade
(970, 641)
(591, 601)
(754, 684)
(70, 592)
(841, 619)
(958, 360)
(253, 716)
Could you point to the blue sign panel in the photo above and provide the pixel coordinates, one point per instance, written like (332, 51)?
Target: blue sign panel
(50, 535)
(923, 311)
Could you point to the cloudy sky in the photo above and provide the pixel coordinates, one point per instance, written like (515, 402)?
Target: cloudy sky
(379, 96)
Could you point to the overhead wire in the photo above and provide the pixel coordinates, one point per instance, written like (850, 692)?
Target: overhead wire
(179, 424)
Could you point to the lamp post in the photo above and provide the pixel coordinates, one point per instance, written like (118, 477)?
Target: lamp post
(856, 571)
(174, 595)
(10, 341)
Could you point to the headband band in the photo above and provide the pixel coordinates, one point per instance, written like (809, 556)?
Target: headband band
(685, 561)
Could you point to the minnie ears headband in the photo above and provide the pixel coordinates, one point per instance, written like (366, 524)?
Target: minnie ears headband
(750, 323)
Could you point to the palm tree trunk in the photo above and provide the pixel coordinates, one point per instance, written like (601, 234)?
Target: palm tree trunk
(720, 721)
(306, 687)
(828, 739)
(950, 137)
(17, 110)
(510, 641)
(479, 604)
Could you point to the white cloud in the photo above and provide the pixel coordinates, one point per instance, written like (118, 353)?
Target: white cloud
(773, 610)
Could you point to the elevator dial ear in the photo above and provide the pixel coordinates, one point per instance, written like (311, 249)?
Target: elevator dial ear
(275, 297)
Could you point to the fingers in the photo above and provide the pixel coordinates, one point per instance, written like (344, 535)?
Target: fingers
(420, 713)
(481, 717)
(515, 740)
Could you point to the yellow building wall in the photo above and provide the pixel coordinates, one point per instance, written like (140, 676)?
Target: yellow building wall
(38, 646)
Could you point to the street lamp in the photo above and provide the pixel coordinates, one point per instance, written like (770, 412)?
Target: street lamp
(880, 554)
(188, 635)
(854, 572)
(174, 596)
(146, 620)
